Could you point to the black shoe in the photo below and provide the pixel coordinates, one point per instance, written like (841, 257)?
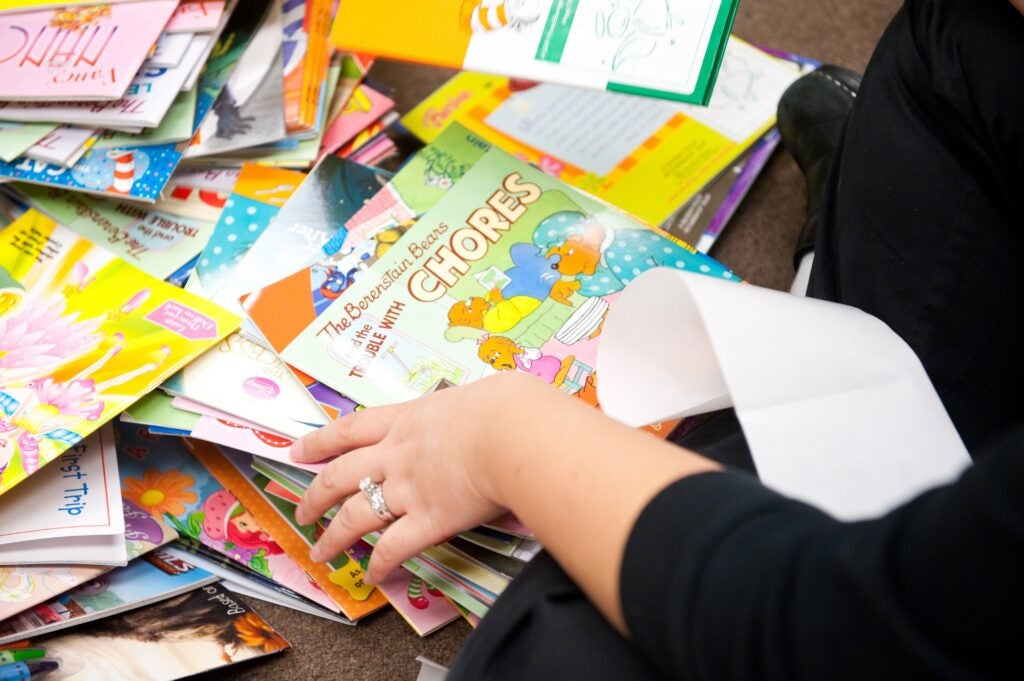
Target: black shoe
(812, 116)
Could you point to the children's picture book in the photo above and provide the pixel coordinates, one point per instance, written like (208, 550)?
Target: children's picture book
(148, 579)
(144, 105)
(169, 49)
(155, 409)
(364, 107)
(419, 603)
(83, 335)
(16, 138)
(159, 475)
(24, 586)
(341, 578)
(83, 53)
(307, 25)
(313, 216)
(232, 40)
(257, 194)
(63, 146)
(245, 379)
(670, 49)
(75, 510)
(249, 104)
(196, 16)
(645, 156)
(511, 270)
(207, 628)
(157, 243)
(175, 127)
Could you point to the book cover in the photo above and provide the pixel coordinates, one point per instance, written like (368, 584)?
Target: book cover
(363, 108)
(134, 172)
(84, 53)
(153, 241)
(245, 379)
(207, 628)
(511, 270)
(102, 334)
(169, 49)
(669, 49)
(63, 146)
(75, 509)
(155, 409)
(148, 579)
(23, 586)
(144, 104)
(175, 127)
(257, 194)
(307, 25)
(341, 579)
(646, 156)
(232, 41)
(232, 79)
(158, 474)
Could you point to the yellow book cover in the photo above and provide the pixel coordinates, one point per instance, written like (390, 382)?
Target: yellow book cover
(645, 156)
(83, 335)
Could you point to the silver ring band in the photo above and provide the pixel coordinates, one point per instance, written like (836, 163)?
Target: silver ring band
(375, 495)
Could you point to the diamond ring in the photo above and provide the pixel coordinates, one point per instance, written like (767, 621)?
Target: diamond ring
(375, 495)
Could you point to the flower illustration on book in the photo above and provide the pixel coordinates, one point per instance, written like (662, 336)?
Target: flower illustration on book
(160, 492)
(76, 18)
(254, 632)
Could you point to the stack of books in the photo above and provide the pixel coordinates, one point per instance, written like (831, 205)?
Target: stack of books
(220, 236)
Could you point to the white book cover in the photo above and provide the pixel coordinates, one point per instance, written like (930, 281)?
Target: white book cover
(70, 511)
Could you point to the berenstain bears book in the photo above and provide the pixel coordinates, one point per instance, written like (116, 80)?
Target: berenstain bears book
(511, 270)
(670, 49)
(82, 336)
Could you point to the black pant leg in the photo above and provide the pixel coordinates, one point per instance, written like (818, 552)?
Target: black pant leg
(543, 627)
(923, 221)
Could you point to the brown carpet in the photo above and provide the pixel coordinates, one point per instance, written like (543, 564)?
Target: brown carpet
(757, 245)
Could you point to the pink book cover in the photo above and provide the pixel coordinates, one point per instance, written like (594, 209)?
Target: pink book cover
(78, 53)
(196, 16)
(364, 107)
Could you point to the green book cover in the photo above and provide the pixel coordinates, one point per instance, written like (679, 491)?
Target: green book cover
(511, 270)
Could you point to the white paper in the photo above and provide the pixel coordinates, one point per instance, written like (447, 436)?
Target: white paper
(836, 408)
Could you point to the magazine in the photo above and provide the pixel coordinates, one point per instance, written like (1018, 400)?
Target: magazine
(105, 333)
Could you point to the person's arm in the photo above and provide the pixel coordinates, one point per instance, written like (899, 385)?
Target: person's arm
(724, 579)
(448, 462)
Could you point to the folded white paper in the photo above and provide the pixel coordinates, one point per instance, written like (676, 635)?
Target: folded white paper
(836, 408)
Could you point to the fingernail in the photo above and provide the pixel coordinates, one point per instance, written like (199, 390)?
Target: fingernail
(300, 516)
(297, 450)
(316, 553)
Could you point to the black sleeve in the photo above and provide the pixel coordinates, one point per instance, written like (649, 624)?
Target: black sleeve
(724, 579)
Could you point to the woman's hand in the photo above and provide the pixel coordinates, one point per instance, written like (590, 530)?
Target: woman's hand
(428, 455)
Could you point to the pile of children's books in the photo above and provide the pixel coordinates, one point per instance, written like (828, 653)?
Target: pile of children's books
(205, 258)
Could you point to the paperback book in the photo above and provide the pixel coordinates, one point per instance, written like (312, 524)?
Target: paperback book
(207, 628)
(104, 333)
(151, 578)
(511, 270)
(88, 53)
(671, 49)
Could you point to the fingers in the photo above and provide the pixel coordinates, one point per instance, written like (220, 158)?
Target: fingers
(358, 429)
(354, 519)
(337, 480)
(402, 540)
